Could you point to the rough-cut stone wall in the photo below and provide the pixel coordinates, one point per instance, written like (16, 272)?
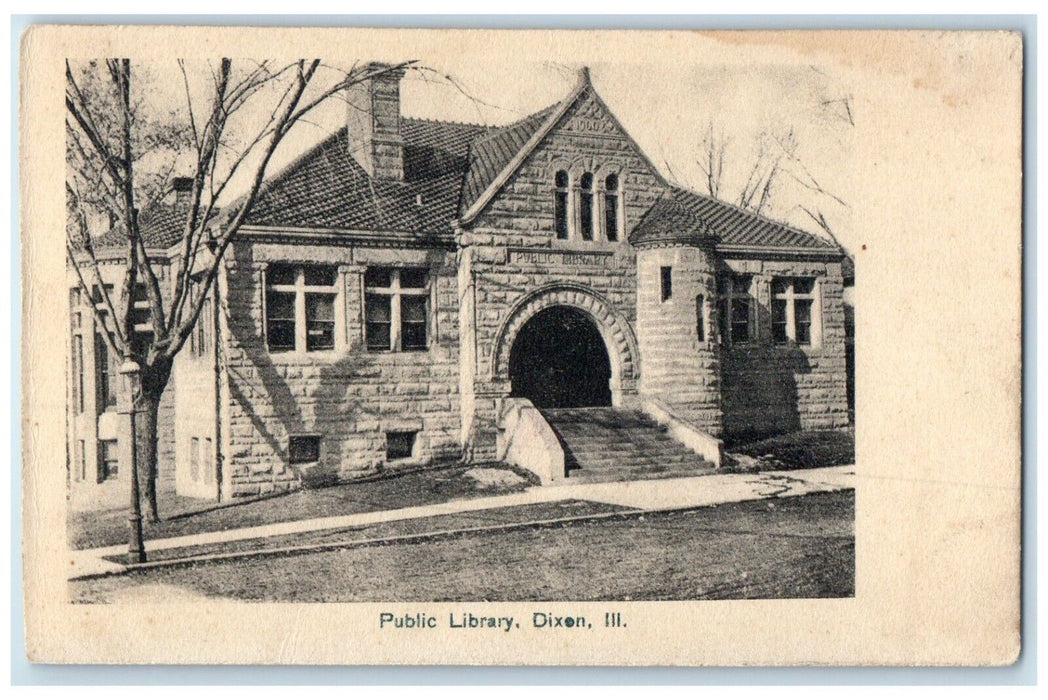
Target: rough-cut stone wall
(194, 409)
(679, 367)
(512, 250)
(350, 397)
(165, 449)
(373, 125)
(769, 388)
(96, 423)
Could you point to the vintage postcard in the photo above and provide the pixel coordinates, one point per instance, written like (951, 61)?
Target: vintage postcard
(350, 346)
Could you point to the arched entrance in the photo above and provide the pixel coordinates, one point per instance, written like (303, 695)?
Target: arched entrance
(559, 360)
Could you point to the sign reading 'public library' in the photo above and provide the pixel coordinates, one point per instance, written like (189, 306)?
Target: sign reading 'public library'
(559, 257)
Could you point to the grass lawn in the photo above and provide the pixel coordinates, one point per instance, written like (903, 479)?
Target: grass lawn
(183, 516)
(494, 517)
(799, 547)
(805, 449)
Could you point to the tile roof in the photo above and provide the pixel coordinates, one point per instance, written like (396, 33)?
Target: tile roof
(848, 269)
(159, 225)
(490, 154)
(682, 215)
(447, 167)
(327, 188)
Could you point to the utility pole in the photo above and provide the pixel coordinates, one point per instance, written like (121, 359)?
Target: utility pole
(132, 385)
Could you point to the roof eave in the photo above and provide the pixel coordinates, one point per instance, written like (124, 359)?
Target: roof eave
(793, 251)
(392, 239)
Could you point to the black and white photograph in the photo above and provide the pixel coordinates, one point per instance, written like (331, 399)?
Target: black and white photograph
(461, 359)
(540, 335)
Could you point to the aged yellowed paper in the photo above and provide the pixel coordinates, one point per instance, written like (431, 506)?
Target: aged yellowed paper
(521, 347)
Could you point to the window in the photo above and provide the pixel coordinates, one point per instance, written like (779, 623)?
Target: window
(611, 207)
(560, 204)
(78, 373)
(108, 460)
(400, 444)
(396, 308)
(736, 309)
(142, 317)
(666, 280)
(586, 206)
(96, 294)
(200, 338)
(105, 375)
(140, 313)
(83, 461)
(792, 301)
(75, 312)
(194, 459)
(303, 449)
(207, 460)
(700, 318)
(300, 307)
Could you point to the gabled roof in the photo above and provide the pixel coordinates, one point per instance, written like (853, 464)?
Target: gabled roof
(327, 189)
(490, 154)
(535, 128)
(451, 171)
(681, 215)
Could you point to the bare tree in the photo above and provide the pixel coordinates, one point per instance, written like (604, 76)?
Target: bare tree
(766, 167)
(711, 159)
(108, 139)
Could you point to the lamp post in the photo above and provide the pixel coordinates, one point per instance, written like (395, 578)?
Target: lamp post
(132, 390)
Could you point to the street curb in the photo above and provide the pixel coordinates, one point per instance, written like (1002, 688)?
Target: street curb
(415, 537)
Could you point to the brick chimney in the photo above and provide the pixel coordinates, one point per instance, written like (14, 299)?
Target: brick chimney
(373, 123)
(183, 187)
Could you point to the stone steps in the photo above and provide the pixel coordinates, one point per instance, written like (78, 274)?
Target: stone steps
(610, 444)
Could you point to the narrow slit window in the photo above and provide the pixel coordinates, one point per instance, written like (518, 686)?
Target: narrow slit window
(207, 460)
(78, 374)
(700, 318)
(611, 207)
(194, 459)
(105, 375)
(560, 204)
(586, 206)
(666, 282)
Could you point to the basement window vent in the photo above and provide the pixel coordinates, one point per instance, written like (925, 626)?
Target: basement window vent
(400, 444)
(303, 449)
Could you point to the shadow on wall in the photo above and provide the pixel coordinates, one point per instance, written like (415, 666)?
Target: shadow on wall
(759, 390)
(284, 394)
(849, 357)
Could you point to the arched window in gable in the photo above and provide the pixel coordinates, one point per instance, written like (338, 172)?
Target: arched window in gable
(586, 206)
(612, 207)
(560, 204)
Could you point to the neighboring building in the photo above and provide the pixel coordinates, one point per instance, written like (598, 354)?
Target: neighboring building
(397, 284)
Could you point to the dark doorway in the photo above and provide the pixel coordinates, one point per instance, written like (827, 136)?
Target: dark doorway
(559, 360)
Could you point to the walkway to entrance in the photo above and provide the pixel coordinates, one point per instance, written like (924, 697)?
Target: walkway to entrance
(559, 360)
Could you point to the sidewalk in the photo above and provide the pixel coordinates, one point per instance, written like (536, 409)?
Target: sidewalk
(628, 496)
